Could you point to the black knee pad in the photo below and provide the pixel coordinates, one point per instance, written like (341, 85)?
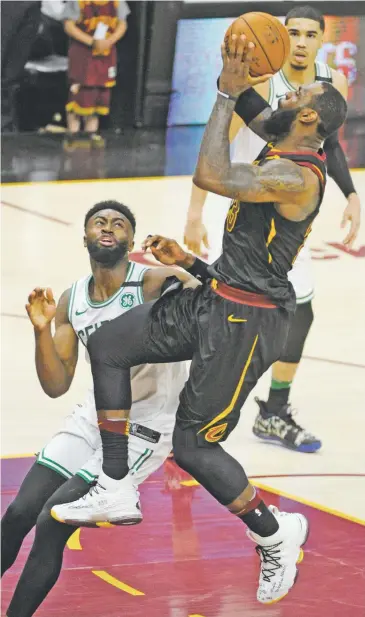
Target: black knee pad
(298, 332)
(209, 464)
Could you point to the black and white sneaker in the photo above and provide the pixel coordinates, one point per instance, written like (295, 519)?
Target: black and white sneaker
(283, 430)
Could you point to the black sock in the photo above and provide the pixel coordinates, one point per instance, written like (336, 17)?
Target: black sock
(257, 516)
(115, 454)
(278, 396)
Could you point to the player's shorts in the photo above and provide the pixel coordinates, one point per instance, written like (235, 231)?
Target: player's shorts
(232, 337)
(77, 449)
(89, 101)
(238, 336)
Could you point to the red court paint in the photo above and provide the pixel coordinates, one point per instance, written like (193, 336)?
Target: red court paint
(191, 557)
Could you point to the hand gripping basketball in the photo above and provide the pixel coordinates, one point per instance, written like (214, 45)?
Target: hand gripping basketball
(237, 55)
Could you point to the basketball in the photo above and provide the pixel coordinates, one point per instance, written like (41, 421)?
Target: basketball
(271, 39)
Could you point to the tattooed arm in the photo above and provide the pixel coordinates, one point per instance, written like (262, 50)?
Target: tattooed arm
(294, 189)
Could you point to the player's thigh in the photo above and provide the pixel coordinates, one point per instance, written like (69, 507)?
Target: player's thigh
(67, 451)
(156, 332)
(145, 458)
(236, 348)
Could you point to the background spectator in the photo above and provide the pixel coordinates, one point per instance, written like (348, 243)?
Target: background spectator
(94, 29)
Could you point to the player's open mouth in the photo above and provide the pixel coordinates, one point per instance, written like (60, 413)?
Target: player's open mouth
(107, 241)
(299, 55)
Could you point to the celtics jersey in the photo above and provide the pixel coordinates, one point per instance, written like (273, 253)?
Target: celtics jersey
(247, 145)
(155, 388)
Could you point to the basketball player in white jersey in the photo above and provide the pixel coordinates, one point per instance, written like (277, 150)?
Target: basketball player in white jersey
(71, 461)
(305, 25)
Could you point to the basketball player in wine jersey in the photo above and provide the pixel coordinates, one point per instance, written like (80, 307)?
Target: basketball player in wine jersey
(306, 26)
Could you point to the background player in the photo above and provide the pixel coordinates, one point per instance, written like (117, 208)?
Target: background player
(234, 327)
(113, 287)
(306, 27)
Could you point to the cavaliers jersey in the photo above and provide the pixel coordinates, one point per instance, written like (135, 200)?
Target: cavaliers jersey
(155, 388)
(259, 245)
(247, 146)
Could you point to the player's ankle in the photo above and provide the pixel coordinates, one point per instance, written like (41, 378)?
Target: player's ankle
(115, 454)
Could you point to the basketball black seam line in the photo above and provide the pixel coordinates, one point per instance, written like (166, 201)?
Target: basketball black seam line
(255, 35)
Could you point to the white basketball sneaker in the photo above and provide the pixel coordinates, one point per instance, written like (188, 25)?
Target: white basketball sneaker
(108, 502)
(280, 554)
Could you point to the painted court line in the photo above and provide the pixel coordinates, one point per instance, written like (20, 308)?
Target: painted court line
(116, 583)
(311, 504)
(73, 543)
(305, 502)
(35, 213)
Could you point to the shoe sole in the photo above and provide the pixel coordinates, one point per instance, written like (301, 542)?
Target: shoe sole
(307, 449)
(299, 561)
(96, 524)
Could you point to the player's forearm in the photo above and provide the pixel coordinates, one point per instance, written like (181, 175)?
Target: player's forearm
(76, 33)
(51, 371)
(214, 156)
(197, 201)
(337, 165)
(119, 32)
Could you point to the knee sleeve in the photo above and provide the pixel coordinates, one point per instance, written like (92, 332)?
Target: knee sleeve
(210, 465)
(298, 332)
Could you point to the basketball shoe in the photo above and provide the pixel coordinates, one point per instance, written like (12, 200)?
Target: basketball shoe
(280, 554)
(282, 429)
(107, 502)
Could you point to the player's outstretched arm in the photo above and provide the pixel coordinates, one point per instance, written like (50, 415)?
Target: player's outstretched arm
(55, 357)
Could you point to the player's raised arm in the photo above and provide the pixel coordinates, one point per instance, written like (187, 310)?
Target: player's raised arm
(55, 357)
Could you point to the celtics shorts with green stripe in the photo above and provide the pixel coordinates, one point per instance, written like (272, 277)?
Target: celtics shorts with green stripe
(76, 449)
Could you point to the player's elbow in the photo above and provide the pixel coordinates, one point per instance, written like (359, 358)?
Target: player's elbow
(205, 181)
(57, 390)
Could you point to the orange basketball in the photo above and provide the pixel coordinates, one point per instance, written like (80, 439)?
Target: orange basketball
(271, 39)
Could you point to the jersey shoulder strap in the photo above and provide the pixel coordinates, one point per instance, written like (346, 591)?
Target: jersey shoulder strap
(323, 72)
(137, 272)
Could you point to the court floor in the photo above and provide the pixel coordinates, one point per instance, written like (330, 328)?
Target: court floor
(191, 558)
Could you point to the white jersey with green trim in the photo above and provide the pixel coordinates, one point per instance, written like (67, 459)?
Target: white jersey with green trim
(247, 145)
(155, 388)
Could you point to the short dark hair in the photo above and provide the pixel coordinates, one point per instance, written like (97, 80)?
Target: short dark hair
(307, 12)
(331, 107)
(110, 204)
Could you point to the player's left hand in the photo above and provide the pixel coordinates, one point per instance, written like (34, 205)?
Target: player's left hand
(165, 250)
(237, 55)
(352, 215)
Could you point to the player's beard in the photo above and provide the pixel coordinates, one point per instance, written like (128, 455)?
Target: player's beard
(107, 256)
(280, 122)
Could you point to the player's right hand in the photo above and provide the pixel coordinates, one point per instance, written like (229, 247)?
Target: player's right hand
(195, 234)
(237, 55)
(166, 250)
(41, 307)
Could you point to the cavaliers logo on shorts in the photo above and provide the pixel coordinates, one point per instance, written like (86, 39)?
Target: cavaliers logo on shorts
(216, 432)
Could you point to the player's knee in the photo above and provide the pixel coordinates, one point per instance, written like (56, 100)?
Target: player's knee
(19, 514)
(185, 447)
